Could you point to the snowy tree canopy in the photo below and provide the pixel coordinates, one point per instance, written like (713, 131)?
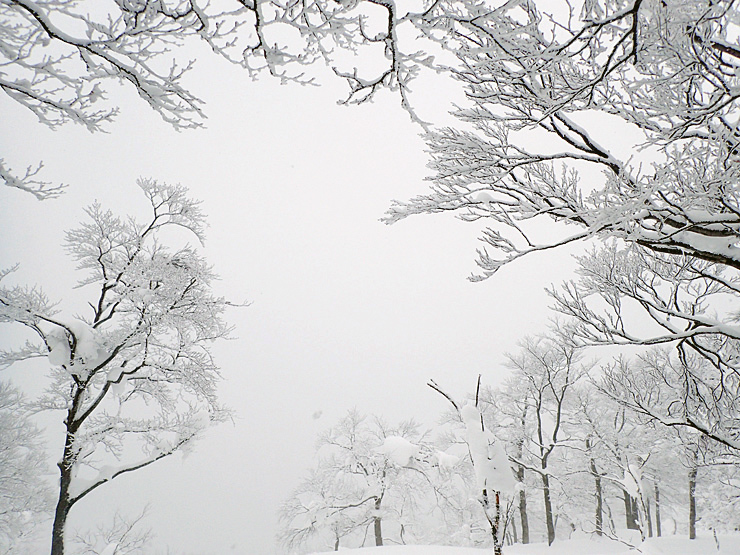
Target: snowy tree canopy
(60, 58)
(135, 379)
(557, 90)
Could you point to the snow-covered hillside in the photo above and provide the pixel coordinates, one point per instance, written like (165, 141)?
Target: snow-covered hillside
(704, 545)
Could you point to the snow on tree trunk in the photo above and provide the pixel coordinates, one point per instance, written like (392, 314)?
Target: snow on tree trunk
(492, 471)
(496, 529)
(520, 479)
(66, 470)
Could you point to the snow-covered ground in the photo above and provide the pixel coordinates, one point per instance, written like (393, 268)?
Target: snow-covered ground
(672, 545)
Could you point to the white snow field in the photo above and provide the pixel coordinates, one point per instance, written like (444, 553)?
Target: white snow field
(671, 545)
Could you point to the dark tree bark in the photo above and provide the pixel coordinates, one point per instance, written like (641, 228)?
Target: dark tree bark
(692, 502)
(598, 492)
(64, 503)
(657, 510)
(377, 523)
(599, 516)
(630, 512)
(520, 478)
(636, 513)
(548, 507)
(61, 512)
(523, 506)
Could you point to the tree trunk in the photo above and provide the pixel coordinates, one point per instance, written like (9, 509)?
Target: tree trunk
(498, 548)
(599, 516)
(657, 510)
(514, 531)
(692, 502)
(376, 523)
(64, 504)
(520, 478)
(523, 505)
(60, 519)
(627, 509)
(630, 512)
(548, 509)
(648, 518)
(494, 520)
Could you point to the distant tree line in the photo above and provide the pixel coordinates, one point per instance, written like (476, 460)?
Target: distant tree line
(580, 459)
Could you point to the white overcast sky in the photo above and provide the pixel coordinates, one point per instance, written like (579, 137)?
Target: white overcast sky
(345, 311)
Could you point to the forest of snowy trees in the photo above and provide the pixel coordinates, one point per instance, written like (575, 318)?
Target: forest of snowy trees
(612, 125)
(570, 456)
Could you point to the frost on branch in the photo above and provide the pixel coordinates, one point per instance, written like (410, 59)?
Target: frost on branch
(123, 535)
(550, 85)
(29, 182)
(688, 299)
(134, 376)
(59, 58)
(681, 390)
(634, 296)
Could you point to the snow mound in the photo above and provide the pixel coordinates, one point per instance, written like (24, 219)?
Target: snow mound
(445, 461)
(399, 450)
(59, 351)
(491, 464)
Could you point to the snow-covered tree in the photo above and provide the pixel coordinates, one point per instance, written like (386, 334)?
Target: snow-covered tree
(121, 536)
(628, 458)
(718, 496)
(558, 88)
(25, 496)
(506, 410)
(60, 58)
(631, 295)
(368, 480)
(679, 389)
(684, 392)
(596, 87)
(494, 484)
(550, 368)
(134, 378)
(614, 120)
